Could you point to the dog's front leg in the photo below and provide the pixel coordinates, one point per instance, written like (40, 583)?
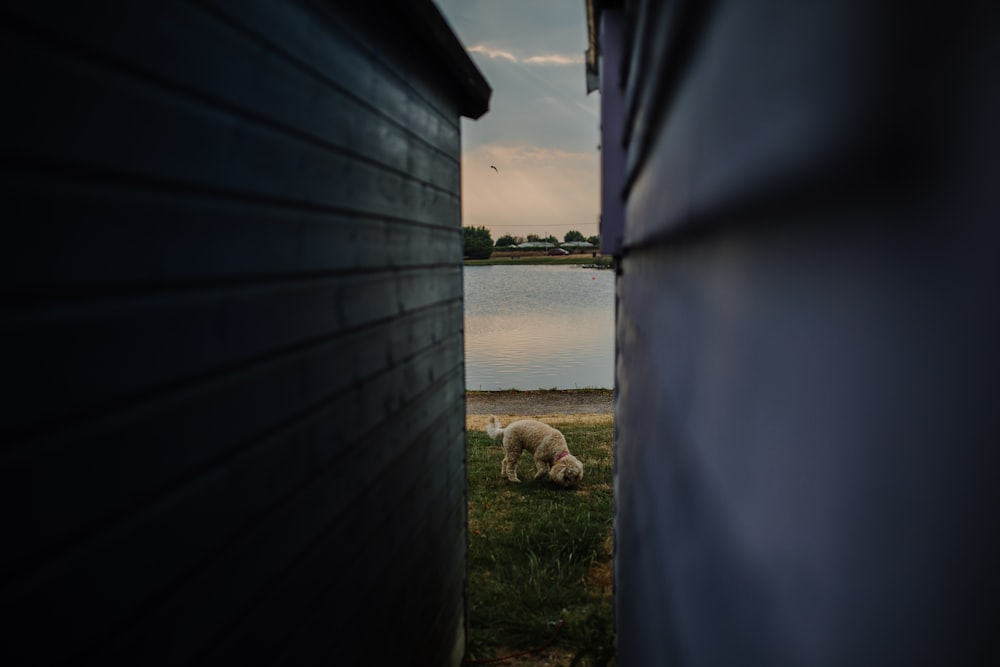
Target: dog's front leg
(541, 469)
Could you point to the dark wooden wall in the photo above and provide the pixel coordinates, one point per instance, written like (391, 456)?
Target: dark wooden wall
(807, 420)
(232, 430)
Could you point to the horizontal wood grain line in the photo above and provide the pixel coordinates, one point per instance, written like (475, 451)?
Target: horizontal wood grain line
(387, 544)
(140, 132)
(164, 243)
(238, 518)
(305, 37)
(196, 56)
(214, 420)
(55, 352)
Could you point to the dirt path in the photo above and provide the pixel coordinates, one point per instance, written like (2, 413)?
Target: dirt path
(582, 403)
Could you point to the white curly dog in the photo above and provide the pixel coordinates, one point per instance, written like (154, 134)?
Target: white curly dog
(552, 456)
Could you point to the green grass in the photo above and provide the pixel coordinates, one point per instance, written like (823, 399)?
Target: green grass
(540, 554)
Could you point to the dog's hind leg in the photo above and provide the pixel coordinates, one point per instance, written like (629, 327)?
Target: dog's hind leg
(508, 468)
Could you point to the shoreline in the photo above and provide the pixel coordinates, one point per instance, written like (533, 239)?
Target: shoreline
(539, 402)
(601, 262)
(575, 390)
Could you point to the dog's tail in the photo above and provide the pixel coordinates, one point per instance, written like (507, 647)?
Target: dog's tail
(493, 428)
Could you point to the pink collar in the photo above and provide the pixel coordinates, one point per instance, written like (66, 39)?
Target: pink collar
(560, 455)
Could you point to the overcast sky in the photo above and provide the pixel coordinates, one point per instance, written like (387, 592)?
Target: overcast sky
(542, 129)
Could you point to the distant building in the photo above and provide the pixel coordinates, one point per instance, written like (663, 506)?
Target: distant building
(233, 428)
(802, 201)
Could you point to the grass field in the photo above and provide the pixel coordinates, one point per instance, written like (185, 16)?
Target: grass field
(539, 555)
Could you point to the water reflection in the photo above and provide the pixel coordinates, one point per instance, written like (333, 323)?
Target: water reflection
(531, 327)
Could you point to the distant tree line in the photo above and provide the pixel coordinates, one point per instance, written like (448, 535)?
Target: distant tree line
(479, 241)
(507, 240)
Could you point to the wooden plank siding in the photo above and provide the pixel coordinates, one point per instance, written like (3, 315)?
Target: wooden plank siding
(232, 332)
(806, 329)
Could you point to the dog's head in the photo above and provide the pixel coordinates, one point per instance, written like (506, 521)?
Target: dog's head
(566, 471)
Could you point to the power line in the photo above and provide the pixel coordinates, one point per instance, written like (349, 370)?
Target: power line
(504, 224)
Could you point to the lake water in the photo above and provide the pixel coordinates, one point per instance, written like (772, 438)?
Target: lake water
(538, 327)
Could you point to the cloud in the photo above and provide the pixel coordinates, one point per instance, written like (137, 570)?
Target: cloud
(555, 59)
(492, 53)
(547, 59)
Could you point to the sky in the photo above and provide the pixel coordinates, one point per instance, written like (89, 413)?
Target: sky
(542, 130)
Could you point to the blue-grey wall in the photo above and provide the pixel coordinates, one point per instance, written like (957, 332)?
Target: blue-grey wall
(807, 329)
(232, 333)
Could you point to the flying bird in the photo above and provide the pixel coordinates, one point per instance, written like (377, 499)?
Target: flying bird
(494, 169)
